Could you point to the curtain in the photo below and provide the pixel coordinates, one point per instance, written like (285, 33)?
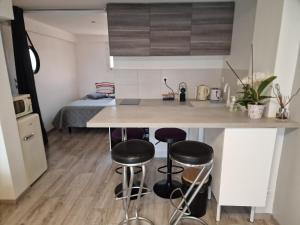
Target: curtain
(25, 76)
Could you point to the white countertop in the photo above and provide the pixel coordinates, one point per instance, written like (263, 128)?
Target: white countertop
(191, 114)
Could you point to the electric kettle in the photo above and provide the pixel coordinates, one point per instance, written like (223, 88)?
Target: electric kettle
(202, 93)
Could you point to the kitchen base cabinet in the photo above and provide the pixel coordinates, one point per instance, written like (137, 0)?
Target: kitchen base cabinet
(243, 159)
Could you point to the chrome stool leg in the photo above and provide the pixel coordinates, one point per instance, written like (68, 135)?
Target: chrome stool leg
(180, 212)
(126, 195)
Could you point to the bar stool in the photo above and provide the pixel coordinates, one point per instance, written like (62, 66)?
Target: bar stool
(130, 154)
(116, 137)
(191, 154)
(165, 187)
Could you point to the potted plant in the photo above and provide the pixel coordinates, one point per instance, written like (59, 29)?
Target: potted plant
(253, 95)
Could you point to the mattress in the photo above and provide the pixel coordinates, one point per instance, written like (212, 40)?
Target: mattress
(77, 113)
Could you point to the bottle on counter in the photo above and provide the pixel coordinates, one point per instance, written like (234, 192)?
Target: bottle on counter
(233, 106)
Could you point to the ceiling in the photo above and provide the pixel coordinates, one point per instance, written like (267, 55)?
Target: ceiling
(83, 4)
(77, 16)
(76, 22)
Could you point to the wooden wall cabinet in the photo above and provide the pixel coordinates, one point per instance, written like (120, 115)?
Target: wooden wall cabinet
(212, 25)
(170, 29)
(129, 29)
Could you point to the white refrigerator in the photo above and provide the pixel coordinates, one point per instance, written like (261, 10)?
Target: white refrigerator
(32, 146)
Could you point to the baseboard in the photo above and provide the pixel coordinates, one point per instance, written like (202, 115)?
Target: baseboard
(14, 201)
(51, 130)
(274, 220)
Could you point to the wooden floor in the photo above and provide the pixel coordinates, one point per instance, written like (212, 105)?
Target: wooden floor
(78, 188)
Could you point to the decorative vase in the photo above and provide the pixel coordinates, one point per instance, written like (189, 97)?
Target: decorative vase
(282, 114)
(255, 111)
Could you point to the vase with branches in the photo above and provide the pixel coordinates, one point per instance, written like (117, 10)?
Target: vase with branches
(283, 102)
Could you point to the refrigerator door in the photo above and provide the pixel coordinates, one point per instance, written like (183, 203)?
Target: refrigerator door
(32, 146)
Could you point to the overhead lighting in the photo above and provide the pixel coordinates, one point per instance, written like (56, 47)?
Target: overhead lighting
(111, 62)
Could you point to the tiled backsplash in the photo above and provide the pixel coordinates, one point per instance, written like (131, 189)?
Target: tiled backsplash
(150, 84)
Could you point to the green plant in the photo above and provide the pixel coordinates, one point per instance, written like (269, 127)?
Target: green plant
(255, 95)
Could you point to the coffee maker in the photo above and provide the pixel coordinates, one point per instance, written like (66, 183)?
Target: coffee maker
(182, 89)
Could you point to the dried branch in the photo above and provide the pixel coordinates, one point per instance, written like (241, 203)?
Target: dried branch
(252, 64)
(292, 97)
(278, 97)
(235, 73)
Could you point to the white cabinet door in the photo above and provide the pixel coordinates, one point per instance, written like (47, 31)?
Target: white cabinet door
(32, 146)
(243, 159)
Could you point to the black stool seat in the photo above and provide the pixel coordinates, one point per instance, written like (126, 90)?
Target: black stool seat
(133, 152)
(191, 152)
(166, 134)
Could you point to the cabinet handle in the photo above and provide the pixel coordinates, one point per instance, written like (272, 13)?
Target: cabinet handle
(28, 137)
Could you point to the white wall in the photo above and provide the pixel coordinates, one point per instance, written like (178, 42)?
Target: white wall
(13, 179)
(10, 57)
(93, 66)
(242, 38)
(288, 67)
(286, 206)
(92, 62)
(6, 12)
(56, 82)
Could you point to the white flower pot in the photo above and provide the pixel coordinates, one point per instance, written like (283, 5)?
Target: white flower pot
(255, 111)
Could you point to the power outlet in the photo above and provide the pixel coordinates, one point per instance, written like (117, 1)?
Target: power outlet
(165, 79)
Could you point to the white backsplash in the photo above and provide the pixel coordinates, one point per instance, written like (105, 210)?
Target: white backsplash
(149, 83)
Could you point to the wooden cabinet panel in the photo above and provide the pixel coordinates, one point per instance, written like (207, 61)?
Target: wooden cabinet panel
(170, 29)
(212, 25)
(129, 29)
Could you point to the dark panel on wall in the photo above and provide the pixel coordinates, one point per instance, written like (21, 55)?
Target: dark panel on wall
(212, 25)
(170, 29)
(129, 29)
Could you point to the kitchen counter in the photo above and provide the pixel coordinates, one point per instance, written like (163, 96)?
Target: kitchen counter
(245, 150)
(190, 114)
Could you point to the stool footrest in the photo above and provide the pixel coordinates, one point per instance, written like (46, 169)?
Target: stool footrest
(148, 191)
(118, 170)
(184, 199)
(194, 218)
(180, 169)
(136, 219)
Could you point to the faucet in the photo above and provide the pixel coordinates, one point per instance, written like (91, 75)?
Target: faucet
(227, 90)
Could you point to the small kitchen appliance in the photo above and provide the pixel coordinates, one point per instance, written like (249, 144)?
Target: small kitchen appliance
(215, 94)
(182, 88)
(22, 105)
(202, 93)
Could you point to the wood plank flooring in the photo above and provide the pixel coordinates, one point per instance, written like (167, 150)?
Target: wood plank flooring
(78, 188)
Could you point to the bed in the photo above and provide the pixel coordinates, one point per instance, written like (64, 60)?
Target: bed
(77, 113)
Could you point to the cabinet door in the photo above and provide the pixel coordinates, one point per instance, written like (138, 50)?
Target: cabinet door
(170, 32)
(212, 25)
(129, 29)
